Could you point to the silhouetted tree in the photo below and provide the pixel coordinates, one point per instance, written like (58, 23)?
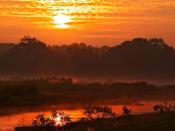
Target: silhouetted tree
(56, 119)
(156, 108)
(31, 56)
(31, 41)
(98, 112)
(89, 112)
(126, 111)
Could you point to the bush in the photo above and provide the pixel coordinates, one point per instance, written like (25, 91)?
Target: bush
(97, 112)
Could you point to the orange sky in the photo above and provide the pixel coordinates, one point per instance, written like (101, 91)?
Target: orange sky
(97, 22)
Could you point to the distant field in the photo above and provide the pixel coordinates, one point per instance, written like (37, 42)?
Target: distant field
(44, 92)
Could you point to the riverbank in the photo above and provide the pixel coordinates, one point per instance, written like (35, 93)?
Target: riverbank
(145, 122)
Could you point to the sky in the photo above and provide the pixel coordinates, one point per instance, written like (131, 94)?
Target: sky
(96, 22)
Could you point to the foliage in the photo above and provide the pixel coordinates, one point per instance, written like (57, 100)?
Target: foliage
(163, 108)
(98, 112)
(126, 111)
(32, 56)
(31, 41)
(143, 122)
(56, 119)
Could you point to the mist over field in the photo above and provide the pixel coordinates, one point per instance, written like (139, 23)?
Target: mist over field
(87, 65)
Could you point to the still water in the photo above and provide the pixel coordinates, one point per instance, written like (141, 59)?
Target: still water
(8, 122)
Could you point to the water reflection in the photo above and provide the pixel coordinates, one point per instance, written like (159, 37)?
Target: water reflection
(22, 119)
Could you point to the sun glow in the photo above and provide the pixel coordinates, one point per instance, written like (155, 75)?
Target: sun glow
(61, 21)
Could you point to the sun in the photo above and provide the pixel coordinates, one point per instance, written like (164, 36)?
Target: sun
(61, 21)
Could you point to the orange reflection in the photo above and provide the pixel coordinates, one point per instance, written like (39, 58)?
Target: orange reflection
(23, 119)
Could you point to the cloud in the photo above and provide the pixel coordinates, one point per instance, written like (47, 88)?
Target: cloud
(93, 14)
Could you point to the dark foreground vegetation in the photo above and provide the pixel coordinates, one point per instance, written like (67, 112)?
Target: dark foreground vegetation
(65, 92)
(163, 121)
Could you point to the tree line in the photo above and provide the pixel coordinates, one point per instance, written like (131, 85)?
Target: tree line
(136, 59)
